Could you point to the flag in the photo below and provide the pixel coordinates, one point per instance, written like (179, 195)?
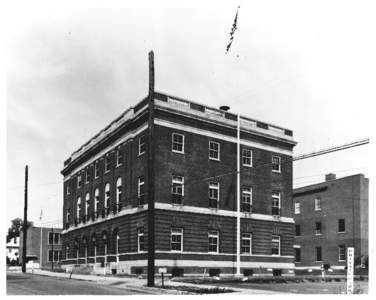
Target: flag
(233, 29)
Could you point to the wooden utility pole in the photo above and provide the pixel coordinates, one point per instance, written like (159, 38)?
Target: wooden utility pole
(151, 230)
(24, 227)
(52, 248)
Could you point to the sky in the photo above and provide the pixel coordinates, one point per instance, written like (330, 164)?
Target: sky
(72, 67)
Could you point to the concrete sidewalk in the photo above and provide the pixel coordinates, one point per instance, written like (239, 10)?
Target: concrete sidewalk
(138, 284)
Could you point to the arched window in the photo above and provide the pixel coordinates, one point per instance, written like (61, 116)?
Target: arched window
(87, 204)
(78, 207)
(107, 195)
(96, 202)
(119, 190)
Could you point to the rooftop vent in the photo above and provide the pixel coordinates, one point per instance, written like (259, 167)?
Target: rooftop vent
(330, 176)
(224, 107)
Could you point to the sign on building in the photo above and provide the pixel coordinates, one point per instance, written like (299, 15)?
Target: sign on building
(350, 270)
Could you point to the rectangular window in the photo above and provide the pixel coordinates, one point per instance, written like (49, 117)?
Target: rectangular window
(246, 246)
(119, 157)
(50, 238)
(141, 145)
(56, 256)
(247, 157)
(57, 239)
(318, 254)
(297, 255)
(141, 190)
(276, 164)
(141, 239)
(177, 239)
(50, 255)
(88, 176)
(318, 204)
(341, 225)
(79, 180)
(213, 194)
(297, 208)
(342, 253)
(213, 241)
(276, 245)
(96, 170)
(297, 230)
(214, 150)
(246, 199)
(177, 189)
(107, 164)
(177, 143)
(318, 228)
(276, 199)
(68, 188)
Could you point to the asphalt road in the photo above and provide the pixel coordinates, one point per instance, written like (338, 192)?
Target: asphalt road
(29, 284)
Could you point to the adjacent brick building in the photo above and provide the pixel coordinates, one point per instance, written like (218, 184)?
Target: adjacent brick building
(329, 217)
(105, 193)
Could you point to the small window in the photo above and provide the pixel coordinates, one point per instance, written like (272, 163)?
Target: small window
(342, 253)
(119, 157)
(107, 195)
(141, 239)
(141, 145)
(297, 230)
(68, 188)
(88, 177)
(68, 215)
(214, 150)
(107, 163)
(141, 190)
(297, 255)
(79, 181)
(247, 157)
(276, 164)
(96, 170)
(177, 239)
(318, 204)
(246, 247)
(96, 202)
(246, 199)
(213, 241)
(318, 254)
(341, 225)
(78, 208)
(297, 208)
(50, 238)
(318, 228)
(276, 201)
(56, 256)
(119, 190)
(87, 204)
(178, 143)
(177, 189)
(213, 194)
(276, 245)
(50, 255)
(57, 238)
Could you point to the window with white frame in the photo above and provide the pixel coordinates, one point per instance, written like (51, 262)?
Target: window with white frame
(119, 157)
(318, 230)
(214, 150)
(67, 249)
(317, 204)
(141, 189)
(88, 175)
(68, 188)
(79, 180)
(57, 238)
(297, 208)
(53, 255)
(96, 200)
(106, 195)
(341, 253)
(276, 245)
(276, 202)
(107, 163)
(68, 215)
(141, 239)
(119, 190)
(213, 194)
(87, 203)
(178, 143)
(213, 241)
(247, 157)
(341, 225)
(276, 164)
(96, 170)
(177, 239)
(78, 207)
(141, 145)
(246, 246)
(177, 189)
(246, 199)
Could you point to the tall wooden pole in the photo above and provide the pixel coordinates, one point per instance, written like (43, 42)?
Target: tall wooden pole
(24, 227)
(53, 256)
(151, 229)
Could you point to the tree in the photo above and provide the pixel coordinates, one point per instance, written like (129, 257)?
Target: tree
(16, 227)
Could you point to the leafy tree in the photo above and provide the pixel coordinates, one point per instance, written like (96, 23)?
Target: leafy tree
(16, 227)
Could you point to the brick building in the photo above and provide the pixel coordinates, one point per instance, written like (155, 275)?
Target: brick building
(43, 246)
(105, 194)
(329, 217)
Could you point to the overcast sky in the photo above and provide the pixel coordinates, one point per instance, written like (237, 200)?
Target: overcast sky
(306, 66)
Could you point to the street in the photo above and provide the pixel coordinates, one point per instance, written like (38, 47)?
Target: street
(31, 284)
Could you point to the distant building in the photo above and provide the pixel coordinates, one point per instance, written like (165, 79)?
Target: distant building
(13, 250)
(49, 250)
(330, 217)
(106, 195)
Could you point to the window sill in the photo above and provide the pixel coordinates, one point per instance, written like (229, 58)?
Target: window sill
(248, 166)
(276, 254)
(277, 172)
(318, 234)
(341, 232)
(214, 159)
(140, 154)
(178, 152)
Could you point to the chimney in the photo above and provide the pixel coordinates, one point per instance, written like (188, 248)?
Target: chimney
(330, 176)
